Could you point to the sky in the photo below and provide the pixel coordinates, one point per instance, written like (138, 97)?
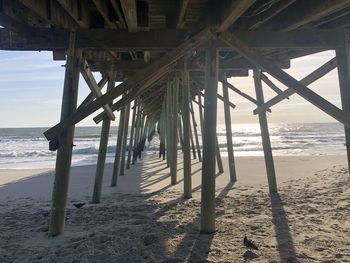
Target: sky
(31, 86)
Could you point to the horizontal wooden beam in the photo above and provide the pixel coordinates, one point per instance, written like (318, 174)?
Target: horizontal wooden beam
(135, 65)
(133, 83)
(95, 89)
(160, 40)
(309, 79)
(287, 80)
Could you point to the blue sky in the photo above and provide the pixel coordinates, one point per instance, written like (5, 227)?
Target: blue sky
(31, 86)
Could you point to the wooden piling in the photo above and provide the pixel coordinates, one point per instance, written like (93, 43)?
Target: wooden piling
(193, 147)
(174, 113)
(65, 139)
(343, 58)
(118, 151)
(137, 131)
(125, 139)
(102, 150)
(194, 124)
(186, 133)
(131, 140)
(217, 149)
(270, 168)
(231, 158)
(207, 219)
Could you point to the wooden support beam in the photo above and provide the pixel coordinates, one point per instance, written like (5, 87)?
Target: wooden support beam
(125, 138)
(207, 218)
(130, 15)
(194, 124)
(231, 158)
(181, 13)
(270, 168)
(192, 144)
(133, 83)
(173, 139)
(309, 79)
(218, 157)
(89, 98)
(65, 140)
(131, 140)
(37, 39)
(343, 57)
(256, 21)
(186, 133)
(137, 132)
(269, 83)
(95, 89)
(288, 80)
(118, 151)
(317, 11)
(102, 149)
(231, 10)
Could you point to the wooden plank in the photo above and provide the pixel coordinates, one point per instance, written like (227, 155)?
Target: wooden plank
(65, 140)
(132, 83)
(256, 21)
(207, 218)
(130, 15)
(92, 84)
(186, 133)
(269, 83)
(270, 168)
(309, 79)
(181, 13)
(231, 158)
(343, 57)
(102, 149)
(232, 10)
(318, 10)
(89, 98)
(194, 124)
(287, 80)
(160, 40)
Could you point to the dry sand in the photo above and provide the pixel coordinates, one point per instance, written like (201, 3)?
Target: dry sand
(145, 219)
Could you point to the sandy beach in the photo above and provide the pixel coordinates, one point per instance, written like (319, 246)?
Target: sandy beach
(144, 219)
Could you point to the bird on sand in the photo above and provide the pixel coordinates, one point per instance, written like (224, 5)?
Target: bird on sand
(79, 205)
(249, 243)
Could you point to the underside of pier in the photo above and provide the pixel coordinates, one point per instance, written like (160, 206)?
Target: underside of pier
(161, 61)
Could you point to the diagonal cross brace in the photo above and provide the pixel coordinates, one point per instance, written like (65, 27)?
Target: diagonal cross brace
(286, 79)
(307, 80)
(95, 89)
(134, 82)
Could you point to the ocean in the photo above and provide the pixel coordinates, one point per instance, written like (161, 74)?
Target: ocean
(25, 148)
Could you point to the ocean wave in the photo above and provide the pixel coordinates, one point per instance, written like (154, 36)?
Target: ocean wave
(32, 153)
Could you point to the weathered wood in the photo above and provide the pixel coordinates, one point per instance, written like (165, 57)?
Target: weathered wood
(231, 158)
(173, 145)
(129, 10)
(231, 11)
(160, 40)
(132, 83)
(179, 129)
(309, 79)
(218, 157)
(95, 89)
(137, 133)
(288, 80)
(318, 10)
(207, 218)
(131, 140)
(125, 138)
(186, 134)
(269, 83)
(343, 58)
(89, 98)
(64, 152)
(181, 13)
(192, 144)
(270, 168)
(194, 124)
(118, 150)
(102, 149)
